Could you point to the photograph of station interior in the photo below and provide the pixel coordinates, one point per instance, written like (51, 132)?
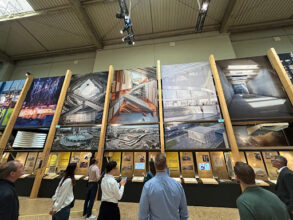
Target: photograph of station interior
(45, 38)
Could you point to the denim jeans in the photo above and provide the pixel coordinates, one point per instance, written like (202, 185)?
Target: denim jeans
(90, 198)
(63, 214)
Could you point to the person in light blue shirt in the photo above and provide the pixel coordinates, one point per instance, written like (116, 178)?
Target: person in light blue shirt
(162, 198)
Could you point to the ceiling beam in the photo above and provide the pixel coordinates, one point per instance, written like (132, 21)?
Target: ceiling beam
(5, 57)
(86, 22)
(229, 16)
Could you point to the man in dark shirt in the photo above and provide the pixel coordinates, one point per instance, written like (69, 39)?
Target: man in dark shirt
(256, 202)
(284, 187)
(9, 205)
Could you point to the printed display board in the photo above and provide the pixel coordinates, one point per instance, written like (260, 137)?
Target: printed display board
(40, 103)
(130, 137)
(139, 163)
(189, 93)
(180, 136)
(21, 157)
(82, 159)
(262, 135)
(253, 90)
(9, 95)
(187, 165)
(77, 138)
(255, 160)
(116, 156)
(219, 165)
(30, 163)
(289, 156)
(173, 164)
(52, 163)
(63, 161)
(204, 165)
(272, 171)
(84, 103)
(134, 97)
(127, 164)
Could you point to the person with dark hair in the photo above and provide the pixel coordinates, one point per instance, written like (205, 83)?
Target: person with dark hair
(256, 202)
(284, 187)
(94, 177)
(63, 198)
(111, 193)
(9, 204)
(152, 171)
(162, 197)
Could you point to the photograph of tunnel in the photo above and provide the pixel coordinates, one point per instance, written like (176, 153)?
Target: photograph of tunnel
(84, 103)
(40, 103)
(9, 95)
(76, 138)
(134, 96)
(253, 90)
(263, 135)
(287, 61)
(180, 136)
(133, 137)
(189, 92)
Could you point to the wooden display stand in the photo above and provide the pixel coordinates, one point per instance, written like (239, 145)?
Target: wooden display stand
(50, 138)
(30, 162)
(272, 171)
(139, 166)
(9, 127)
(173, 165)
(187, 167)
(204, 168)
(51, 166)
(162, 135)
(219, 166)
(63, 161)
(127, 165)
(289, 156)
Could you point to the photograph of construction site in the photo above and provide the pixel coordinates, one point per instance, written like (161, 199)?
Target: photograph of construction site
(181, 136)
(253, 90)
(84, 103)
(134, 96)
(133, 137)
(263, 135)
(76, 138)
(189, 93)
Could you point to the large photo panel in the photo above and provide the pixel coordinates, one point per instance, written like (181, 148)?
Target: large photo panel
(84, 103)
(134, 96)
(253, 90)
(189, 136)
(189, 92)
(133, 137)
(40, 103)
(287, 61)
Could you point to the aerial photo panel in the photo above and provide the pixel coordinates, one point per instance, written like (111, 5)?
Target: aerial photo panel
(189, 93)
(253, 90)
(192, 136)
(84, 103)
(134, 97)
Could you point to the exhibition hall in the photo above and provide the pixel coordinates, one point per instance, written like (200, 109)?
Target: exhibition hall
(146, 109)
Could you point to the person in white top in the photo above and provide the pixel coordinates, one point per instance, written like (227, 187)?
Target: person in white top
(112, 191)
(63, 199)
(94, 177)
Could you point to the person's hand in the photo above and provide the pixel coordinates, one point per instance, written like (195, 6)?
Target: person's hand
(52, 212)
(123, 182)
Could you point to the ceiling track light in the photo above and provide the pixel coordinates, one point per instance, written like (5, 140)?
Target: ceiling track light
(203, 10)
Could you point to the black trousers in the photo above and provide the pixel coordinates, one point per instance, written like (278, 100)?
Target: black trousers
(109, 211)
(90, 198)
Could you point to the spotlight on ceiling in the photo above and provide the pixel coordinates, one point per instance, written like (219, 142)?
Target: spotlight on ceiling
(203, 10)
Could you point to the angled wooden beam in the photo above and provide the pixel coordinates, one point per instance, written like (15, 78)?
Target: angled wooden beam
(105, 118)
(159, 75)
(50, 138)
(14, 115)
(225, 112)
(229, 15)
(86, 22)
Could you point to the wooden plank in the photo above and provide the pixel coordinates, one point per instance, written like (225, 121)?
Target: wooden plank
(9, 127)
(278, 66)
(160, 106)
(224, 108)
(50, 138)
(105, 118)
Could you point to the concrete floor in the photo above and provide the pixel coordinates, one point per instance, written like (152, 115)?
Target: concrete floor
(37, 209)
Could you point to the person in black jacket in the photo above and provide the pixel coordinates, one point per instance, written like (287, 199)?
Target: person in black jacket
(9, 204)
(284, 187)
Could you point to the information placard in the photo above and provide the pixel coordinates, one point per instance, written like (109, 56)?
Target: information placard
(127, 164)
(173, 164)
(204, 165)
(139, 163)
(255, 160)
(272, 171)
(219, 166)
(187, 165)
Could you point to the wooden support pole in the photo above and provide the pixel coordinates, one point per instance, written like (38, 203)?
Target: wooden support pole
(278, 66)
(225, 112)
(46, 152)
(160, 106)
(105, 118)
(15, 113)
